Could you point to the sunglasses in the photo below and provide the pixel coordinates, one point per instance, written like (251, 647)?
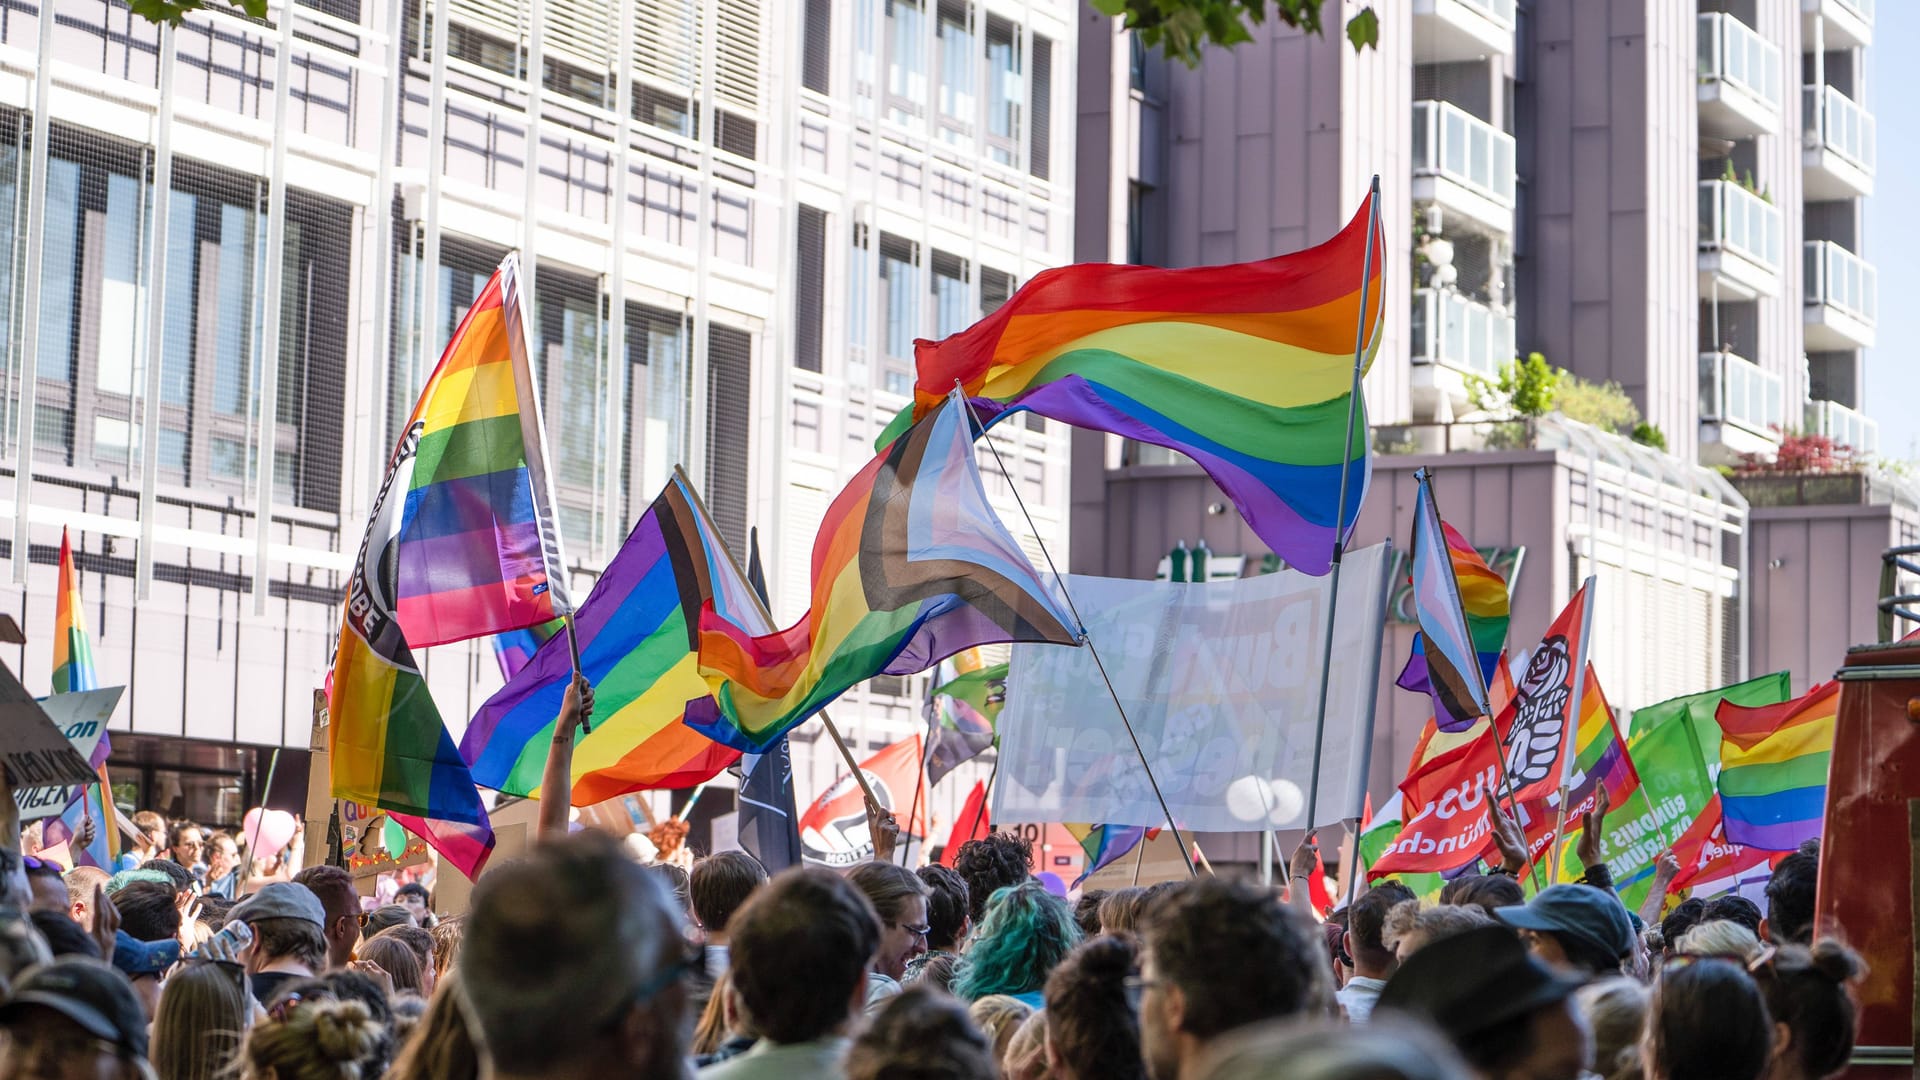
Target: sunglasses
(1760, 961)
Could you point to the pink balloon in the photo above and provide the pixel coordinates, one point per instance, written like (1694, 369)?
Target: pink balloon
(274, 829)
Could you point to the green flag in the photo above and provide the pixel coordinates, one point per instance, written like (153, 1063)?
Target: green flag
(1764, 690)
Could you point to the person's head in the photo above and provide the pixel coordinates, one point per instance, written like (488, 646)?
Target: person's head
(677, 881)
(82, 882)
(47, 886)
(202, 1017)
(1365, 921)
(1706, 1019)
(286, 920)
(1092, 1030)
(326, 1039)
(446, 944)
(805, 920)
(153, 833)
(185, 841)
(1025, 932)
(176, 874)
(996, 861)
(421, 942)
(718, 885)
(1790, 895)
(573, 959)
(1684, 917)
(1577, 927)
(1735, 909)
(148, 911)
(1718, 937)
(947, 907)
(440, 1047)
(920, 1034)
(1813, 1010)
(64, 936)
(998, 1016)
(384, 916)
(1615, 1011)
(341, 904)
(399, 961)
(1410, 927)
(1485, 891)
(899, 897)
(73, 1019)
(222, 855)
(713, 1027)
(1508, 1014)
(1086, 912)
(1305, 1049)
(936, 971)
(1026, 1054)
(1221, 954)
(413, 896)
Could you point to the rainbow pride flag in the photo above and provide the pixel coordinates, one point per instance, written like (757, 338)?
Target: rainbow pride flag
(910, 566)
(73, 671)
(1773, 768)
(72, 647)
(636, 650)
(460, 543)
(1104, 844)
(1600, 758)
(1462, 609)
(515, 647)
(1246, 369)
(965, 710)
(1483, 599)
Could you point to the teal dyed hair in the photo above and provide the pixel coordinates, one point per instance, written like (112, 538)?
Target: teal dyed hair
(1027, 931)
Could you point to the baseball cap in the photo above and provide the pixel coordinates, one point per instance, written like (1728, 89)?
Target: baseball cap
(1593, 915)
(135, 957)
(1474, 980)
(91, 995)
(280, 900)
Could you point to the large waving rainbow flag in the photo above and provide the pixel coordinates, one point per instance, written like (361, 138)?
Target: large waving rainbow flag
(1773, 768)
(1462, 609)
(72, 647)
(461, 543)
(73, 672)
(1247, 369)
(910, 566)
(635, 649)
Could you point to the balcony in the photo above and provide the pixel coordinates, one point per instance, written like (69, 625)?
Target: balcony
(1739, 243)
(1739, 79)
(1742, 409)
(1841, 303)
(1853, 430)
(1849, 23)
(1464, 165)
(1453, 30)
(1454, 336)
(1837, 138)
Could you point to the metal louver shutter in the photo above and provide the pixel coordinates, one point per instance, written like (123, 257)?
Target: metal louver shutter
(729, 429)
(1040, 134)
(996, 287)
(736, 87)
(816, 47)
(499, 20)
(580, 32)
(806, 508)
(809, 305)
(666, 43)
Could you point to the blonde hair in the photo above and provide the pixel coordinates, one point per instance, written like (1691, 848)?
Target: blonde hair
(318, 1040)
(711, 1030)
(1616, 1010)
(1026, 1053)
(1719, 937)
(999, 1016)
(440, 1047)
(198, 1025)
(446, 943)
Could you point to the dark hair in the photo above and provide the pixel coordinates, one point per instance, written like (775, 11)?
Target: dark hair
(1493, 1050)
(1790, 893)
(1736, 909)
(921, 1034)
(180, 876)
(49, 870)
(1707, 1019)
(1369, 914)
(991, 863)
(1154, 900)
(887, 887)
(1120, 910)
(297, 938)
(63, 935)
(1685, 916)
(213, 911)
(1585, 954)
(1237, 955)
(415, 938)
(1806, 989)
(676, 881)
(720, 883)
(412, 888)
(384, 916)
(1086, 911)
(147, 911)
(398, 960)
(946, 905)
(1093, 1029)
(807, 922)
(1485, 891)
(179, 829)
(334, 886)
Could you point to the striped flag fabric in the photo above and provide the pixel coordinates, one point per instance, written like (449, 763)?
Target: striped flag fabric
(1460, 580)
(515, 648)
(73, 671)
(1600, 758)
(965, 705)
(1104, 844)
(1773, 768)
(1245, 368)
(72, 647)
(910, 566)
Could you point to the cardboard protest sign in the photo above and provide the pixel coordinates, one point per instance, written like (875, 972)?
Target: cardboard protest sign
(81, 718)
(33, 752)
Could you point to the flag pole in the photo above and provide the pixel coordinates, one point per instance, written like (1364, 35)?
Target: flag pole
(573, 651)
(1373, 701)
(1085, 638)
(1340, 511)
(919, 785)
(986, 795)
(1570, 742)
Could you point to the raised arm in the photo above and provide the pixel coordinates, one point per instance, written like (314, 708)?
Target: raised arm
(556, 784)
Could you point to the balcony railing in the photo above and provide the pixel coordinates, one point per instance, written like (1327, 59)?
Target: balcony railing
(1460, 332)
(1735, 219)
(1840, 279)
(1846, 427)
(1500, 11)
(1736, 390)
(1451, 142)
(1734, 53)
(1835, 121)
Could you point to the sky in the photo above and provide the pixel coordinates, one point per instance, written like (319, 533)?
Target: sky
(1893, 229)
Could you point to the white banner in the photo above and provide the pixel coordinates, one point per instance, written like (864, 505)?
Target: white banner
(1221, 682)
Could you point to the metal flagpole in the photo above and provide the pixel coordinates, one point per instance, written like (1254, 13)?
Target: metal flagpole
(1339, 529)
(1373, 700)
(919, 786)
(1085, 639)
(1571, 743)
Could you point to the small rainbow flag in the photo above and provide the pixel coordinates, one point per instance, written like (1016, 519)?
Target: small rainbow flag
(72, 648)
(73, 672)
(965, 711)
(1483, 600)
(1246, 368)
(910, 566)
(1773, 768)
(1105, 843)
(1462, 609)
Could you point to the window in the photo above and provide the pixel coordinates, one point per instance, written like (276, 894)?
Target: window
(859, 307)
(1040, 145)
(865, 58)
(1004, 92)
(956, 73)
(567, 349)
(658, 386)
(816, 48)
(996, 288)
(729, 430)
(906, 62)
(950, 294)
(810, 276)
(900, 289)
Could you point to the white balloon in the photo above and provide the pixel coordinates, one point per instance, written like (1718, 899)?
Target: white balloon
(1250, 798)
(1289, 802)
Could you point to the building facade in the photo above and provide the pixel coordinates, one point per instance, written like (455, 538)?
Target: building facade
(235, 249)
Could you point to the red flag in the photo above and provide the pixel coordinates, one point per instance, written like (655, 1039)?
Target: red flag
(972, 824)
(1317, 885)
(1448, 831)
(1704, 853)
(834, 829)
